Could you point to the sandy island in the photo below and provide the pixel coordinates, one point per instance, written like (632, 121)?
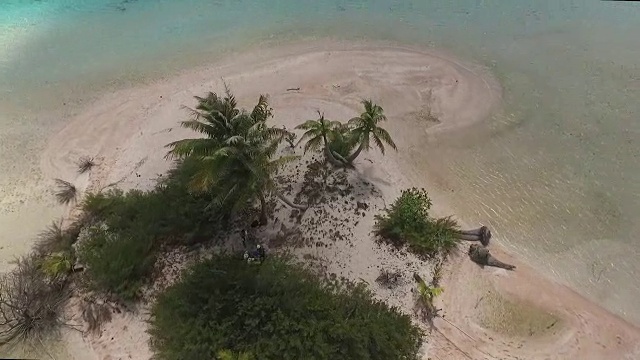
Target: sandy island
(488, 313)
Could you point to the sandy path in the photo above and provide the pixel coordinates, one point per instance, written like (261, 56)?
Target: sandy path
(127, 131)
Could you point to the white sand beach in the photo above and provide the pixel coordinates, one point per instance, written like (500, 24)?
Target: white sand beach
(497, 314)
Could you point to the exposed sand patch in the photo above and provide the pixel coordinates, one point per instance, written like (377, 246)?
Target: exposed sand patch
(128, 130)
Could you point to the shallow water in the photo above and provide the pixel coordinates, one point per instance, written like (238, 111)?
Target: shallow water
(556, 174)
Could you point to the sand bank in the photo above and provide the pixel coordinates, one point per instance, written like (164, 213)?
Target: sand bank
(424, 93)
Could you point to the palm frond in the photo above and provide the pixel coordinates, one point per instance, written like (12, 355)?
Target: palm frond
(191, 147)
(379, 143)
(262, 111)
(383, 135)
(313, 144)
(309, 124)
(198, 126)
(66, 192)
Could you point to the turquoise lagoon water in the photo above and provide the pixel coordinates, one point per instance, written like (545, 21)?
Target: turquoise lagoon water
(556, 174)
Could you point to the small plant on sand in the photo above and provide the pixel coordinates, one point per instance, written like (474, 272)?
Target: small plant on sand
(31, 304)
(85, 164)
(277, 311)
(426, 294)
(66, 192)
(57, 265)
(407, 223)
(53, 239)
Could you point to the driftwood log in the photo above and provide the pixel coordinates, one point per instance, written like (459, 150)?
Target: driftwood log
(481, 234)
(481, 256)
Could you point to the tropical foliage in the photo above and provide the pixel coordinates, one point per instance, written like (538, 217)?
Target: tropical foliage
(407, 223)
(128, 229)
(276, 311)
(31, 303)
(365, 129)
(236, 158)
(338, 140)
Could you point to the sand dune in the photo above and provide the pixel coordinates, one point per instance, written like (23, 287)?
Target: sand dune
(499, 315)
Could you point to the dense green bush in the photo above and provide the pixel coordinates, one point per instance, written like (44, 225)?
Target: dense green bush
(407, 223)
(117, 262)
(275, 311)
(129, 228)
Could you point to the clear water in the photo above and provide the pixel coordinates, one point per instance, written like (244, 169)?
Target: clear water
(556, 174)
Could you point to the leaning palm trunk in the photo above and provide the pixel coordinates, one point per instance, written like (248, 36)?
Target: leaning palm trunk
(481, 256)
(481, 234)
(353, 156)
(331, 157)
(290, 203)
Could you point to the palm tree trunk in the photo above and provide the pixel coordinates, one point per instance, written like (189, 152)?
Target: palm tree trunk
(329, 155)
(263, 209)
(290, 203)
(355, 154)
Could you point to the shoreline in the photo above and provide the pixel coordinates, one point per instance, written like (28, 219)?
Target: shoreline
(127, 130)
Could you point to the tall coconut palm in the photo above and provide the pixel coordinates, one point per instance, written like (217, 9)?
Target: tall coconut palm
(218, 118)
(317, 133)
(236, 158)
(366, 127)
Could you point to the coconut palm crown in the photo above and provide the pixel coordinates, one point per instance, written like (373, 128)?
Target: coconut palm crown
(365, 128)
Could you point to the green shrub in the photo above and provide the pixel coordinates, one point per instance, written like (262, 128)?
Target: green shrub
(275, 311)
(407, 223)
(130, 228)
(117, 262)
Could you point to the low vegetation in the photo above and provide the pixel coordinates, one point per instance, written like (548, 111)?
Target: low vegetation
(85, 164)
(222, 309)
(31, 303)
(128, 229)
(275, 311)
(66, 193)
(407, 223)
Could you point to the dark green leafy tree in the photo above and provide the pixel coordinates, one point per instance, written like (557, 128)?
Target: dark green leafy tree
(276, 311)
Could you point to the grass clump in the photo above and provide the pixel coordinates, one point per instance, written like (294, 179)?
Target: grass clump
(85, 164)
(275, 311)
(407, 223)
(66, 192)
(128, 229)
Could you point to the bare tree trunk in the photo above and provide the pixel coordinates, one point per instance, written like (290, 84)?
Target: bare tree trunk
(263, 209)
(481, 234)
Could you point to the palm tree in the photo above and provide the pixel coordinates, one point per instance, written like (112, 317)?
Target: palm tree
(317, 133)
(218, 118)
(365, 127)
(236, 159)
